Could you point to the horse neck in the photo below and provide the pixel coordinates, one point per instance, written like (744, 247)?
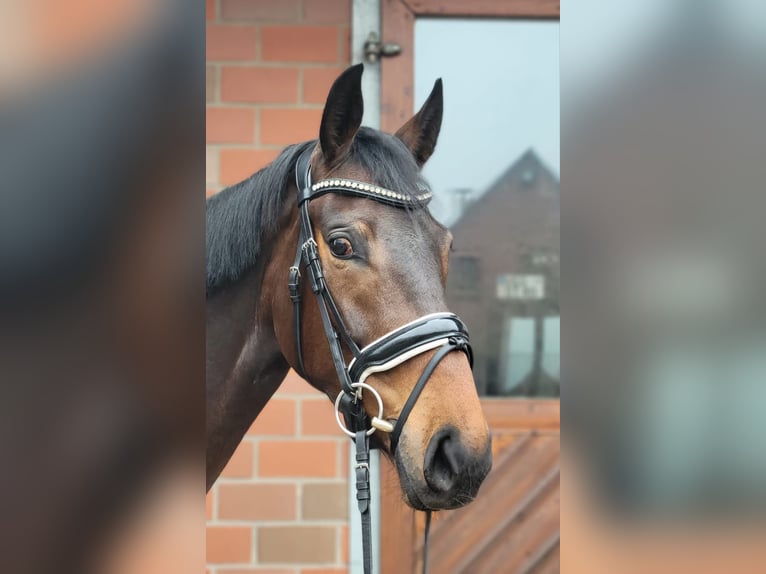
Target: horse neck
(244, 362)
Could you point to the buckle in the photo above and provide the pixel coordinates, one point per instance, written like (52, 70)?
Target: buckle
(313, 265)
(294, 283)
(309, 244)
(362, 480)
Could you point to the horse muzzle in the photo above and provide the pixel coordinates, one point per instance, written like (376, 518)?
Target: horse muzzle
(452, 471)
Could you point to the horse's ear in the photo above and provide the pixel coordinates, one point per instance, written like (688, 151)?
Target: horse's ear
(420, 133)
(342, 114)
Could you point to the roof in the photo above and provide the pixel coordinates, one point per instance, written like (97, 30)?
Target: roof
(514, 178)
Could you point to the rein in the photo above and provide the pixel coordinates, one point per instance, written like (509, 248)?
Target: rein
(443, 332)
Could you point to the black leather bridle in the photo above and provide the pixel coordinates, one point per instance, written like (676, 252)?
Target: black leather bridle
(443, 332)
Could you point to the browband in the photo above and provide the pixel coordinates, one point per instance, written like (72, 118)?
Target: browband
(307, 190)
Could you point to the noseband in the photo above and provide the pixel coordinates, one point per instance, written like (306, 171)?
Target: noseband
(443, 332)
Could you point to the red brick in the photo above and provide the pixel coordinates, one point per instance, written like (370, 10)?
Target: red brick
(297, 544)
(297, 459)
(209, 505)
(344, 539)
(260, 85)
(228, 544)
(284, 126)
(226, 42)
(229, 125)
(240, 464)
(345, 46)
(294, 384)
(239, 164)
(318, 417)
(211, 80)
(211, 166)
(299, 44)
(268, 10)
(344, 454)
(327, 11)
(317, 82)
(257, 501)
(209, 192)
(209, 9)
(323, 571)
(277, 418)
(324, 501)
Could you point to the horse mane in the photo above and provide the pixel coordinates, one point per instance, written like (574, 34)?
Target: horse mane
(239, 217)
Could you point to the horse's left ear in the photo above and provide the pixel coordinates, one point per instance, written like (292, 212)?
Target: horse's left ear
(420, 133)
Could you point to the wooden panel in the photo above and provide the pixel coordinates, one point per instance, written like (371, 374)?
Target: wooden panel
(531, 414)
(478, 8)
(397, 74)
(397, 523)
(512, 526)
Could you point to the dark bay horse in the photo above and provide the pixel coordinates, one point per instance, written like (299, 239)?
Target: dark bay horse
(385, 265)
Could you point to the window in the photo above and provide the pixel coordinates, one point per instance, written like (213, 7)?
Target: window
(464, 273)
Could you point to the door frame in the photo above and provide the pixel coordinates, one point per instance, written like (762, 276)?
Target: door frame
(398, 26)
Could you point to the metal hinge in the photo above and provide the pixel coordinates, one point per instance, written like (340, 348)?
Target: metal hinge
(374, 49)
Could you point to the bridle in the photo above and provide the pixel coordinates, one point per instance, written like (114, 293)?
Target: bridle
(443, 332)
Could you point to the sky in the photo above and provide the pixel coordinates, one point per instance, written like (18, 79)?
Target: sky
(501, 97)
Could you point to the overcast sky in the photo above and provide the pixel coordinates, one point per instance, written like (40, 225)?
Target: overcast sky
(501, 97)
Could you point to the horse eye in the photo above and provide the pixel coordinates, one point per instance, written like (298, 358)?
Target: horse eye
(341, 247)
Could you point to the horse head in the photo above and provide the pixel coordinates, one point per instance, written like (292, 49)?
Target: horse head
(384, 259)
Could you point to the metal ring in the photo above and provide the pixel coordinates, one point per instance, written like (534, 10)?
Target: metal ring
(337, 408)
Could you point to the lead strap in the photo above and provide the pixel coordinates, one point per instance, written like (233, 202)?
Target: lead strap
(425, 541)
(362, 471)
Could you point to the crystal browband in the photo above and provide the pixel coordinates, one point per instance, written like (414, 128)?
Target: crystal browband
(366, 189)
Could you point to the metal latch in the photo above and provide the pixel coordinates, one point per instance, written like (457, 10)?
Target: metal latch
(374, 49)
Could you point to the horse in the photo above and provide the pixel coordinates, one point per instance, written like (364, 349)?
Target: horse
(384, 258)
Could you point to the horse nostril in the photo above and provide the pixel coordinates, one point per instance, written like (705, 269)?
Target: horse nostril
(444, 460)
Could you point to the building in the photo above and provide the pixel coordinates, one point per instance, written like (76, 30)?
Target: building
(504, 280)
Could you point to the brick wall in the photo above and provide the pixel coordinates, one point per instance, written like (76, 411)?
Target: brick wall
(280, 505)
(270, 64)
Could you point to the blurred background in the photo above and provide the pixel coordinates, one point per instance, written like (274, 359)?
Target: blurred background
(662, 132)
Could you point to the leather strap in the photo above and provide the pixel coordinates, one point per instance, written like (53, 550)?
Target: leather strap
(362, 472)
(453, 344)
(425, 541)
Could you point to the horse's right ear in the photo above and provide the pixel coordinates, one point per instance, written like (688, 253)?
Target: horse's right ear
(342, 115)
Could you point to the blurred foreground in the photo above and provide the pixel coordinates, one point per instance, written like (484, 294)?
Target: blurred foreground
(101, 296)
(663, 195)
